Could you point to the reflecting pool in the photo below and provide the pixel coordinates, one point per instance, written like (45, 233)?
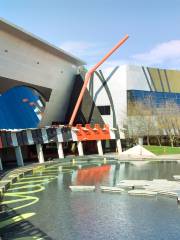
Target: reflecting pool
(41, 206)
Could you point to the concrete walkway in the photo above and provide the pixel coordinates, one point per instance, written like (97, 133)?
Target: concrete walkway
(170, 156)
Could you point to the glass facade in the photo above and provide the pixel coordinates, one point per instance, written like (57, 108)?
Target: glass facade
(151, 113)
(157, 99)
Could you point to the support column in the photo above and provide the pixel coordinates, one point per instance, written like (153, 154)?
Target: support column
(140, 141)
(40, 153)
(80, 148)
(60, 150)
(99, 147)
(19, 157)
(119, 147)
(1, 167)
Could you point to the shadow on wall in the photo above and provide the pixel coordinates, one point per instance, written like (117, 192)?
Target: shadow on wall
(21, 107)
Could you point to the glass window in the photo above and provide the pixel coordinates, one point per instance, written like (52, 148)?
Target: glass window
(104, 110)
(156, 98)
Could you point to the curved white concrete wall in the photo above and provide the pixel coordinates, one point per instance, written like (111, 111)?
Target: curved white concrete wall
(24, 61)
(117, 85)
(126, 77)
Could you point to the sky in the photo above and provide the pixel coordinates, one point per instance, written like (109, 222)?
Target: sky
(90, 28)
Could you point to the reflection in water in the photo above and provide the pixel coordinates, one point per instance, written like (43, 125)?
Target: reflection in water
(67, 179)
(65, 215)
(149, 171)
(93, 175)
(116, 174)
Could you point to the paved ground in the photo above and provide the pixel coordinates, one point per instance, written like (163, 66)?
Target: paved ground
(141, 157)
(171, 156)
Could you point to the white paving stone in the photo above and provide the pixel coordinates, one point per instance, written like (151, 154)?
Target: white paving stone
(158, 186)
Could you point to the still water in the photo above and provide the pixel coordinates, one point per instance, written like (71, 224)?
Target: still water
(64, 215)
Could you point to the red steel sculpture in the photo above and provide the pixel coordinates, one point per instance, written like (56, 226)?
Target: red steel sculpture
(88, 77)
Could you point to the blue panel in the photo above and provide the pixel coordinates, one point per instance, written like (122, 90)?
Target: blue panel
(14, 113)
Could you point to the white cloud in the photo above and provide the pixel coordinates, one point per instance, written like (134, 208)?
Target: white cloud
(75, 47)
(166, 54)
(82, 49)
(91, 53)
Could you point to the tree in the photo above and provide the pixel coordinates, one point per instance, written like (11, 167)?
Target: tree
(147, 119)
(140, 119)
(168, 120)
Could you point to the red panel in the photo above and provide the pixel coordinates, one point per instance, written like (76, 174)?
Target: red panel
(89, 133)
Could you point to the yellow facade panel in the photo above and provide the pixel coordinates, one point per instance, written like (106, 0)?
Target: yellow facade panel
(155, 78)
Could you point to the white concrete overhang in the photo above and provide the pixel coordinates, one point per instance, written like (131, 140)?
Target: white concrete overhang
(34, 40)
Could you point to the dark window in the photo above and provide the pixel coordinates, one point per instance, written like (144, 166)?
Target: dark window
(104, 110)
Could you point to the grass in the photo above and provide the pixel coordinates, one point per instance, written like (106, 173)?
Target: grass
(163, 150)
